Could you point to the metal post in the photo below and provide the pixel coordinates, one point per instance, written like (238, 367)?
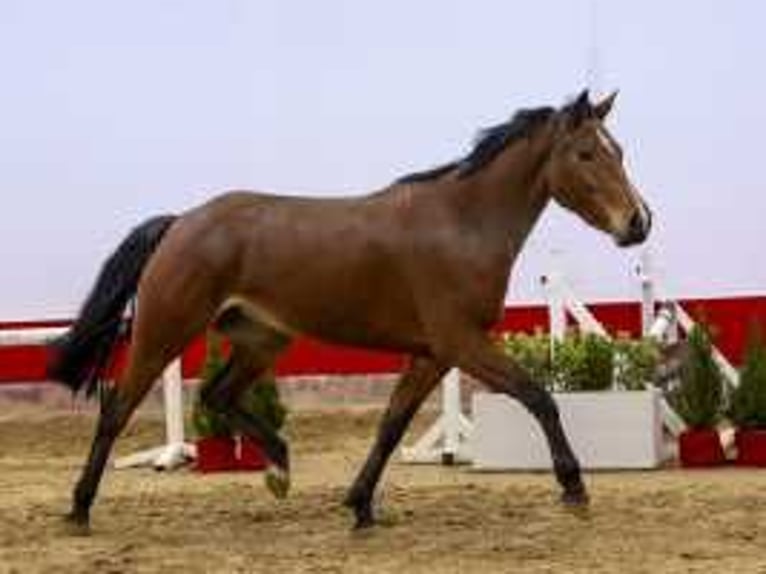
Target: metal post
(648, 297)
(557, 316)
(173, 395)
(451, 411)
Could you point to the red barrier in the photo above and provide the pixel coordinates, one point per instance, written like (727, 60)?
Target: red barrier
(730, 317)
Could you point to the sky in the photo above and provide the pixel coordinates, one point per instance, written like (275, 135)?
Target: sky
(113, 112)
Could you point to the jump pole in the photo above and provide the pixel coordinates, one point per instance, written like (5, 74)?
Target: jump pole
(447, 439)
(36, 336)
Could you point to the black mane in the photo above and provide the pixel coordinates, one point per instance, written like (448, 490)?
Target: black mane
(489, 143)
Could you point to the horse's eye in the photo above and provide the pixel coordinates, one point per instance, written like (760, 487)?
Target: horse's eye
(585, 155)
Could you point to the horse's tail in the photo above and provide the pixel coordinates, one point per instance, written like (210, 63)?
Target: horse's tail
(80, 357)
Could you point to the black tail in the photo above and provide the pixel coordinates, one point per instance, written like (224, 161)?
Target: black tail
(81, 356)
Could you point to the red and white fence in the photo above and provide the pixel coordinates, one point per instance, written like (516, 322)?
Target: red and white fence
(23, 356)
(175, 451)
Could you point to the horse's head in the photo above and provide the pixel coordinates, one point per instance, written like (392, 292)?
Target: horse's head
(585, 173)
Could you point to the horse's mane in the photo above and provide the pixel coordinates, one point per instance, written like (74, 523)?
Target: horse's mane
(489, 143)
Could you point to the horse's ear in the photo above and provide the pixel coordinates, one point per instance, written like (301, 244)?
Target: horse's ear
(580, 109)
(602, 109)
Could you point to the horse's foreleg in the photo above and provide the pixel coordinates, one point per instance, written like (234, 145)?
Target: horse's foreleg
(411, 390)
(478, 357)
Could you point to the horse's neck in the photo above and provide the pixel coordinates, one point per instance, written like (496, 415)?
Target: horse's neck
(492, 213)
(504, 200)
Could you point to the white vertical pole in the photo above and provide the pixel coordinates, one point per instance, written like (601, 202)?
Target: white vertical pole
(174, 452)
(557, 317)
(451, 412)
(672, 333)
(172, 382)
(648, 297)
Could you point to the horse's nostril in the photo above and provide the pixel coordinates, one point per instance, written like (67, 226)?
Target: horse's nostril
(636, 224)
(636, 230)
(639, 224)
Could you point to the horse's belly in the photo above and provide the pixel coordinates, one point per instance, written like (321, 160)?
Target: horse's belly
(374, 327)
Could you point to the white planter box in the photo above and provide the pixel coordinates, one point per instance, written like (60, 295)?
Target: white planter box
(607, 430)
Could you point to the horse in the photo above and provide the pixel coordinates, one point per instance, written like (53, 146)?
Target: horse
(419, 268)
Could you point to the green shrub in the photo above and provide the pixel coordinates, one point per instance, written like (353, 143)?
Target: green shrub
(531, 352)
(637, 364)
(699, 396)
(584, 363)
(748, 401)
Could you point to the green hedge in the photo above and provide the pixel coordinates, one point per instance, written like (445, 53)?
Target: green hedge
(533, 353)
(584, 362)
(636, 362)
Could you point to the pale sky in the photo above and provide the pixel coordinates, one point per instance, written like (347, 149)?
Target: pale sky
(112, 112)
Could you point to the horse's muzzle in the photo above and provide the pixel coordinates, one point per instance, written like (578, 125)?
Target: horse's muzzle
(638, 228)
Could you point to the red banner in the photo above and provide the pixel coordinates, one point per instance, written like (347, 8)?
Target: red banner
(730, 318)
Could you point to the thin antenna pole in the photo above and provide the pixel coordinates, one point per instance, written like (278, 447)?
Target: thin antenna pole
(593, 70)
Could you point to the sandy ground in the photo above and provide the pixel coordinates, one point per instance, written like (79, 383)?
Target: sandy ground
(433, 519)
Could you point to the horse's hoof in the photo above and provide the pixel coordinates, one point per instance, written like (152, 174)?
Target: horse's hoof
(76, 525)
(364, 523)
(278, 481)
(575, 498)
(576, 501)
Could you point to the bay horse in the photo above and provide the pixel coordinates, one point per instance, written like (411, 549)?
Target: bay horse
(420, 268)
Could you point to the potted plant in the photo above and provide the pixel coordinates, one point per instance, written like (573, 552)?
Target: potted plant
(583, 363)
(610, 418)
(636, 362)
(698, 400)
(216, 447)
(532, 352)
(748, 404)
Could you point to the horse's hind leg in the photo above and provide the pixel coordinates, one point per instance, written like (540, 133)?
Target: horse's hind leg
(415, 384)
(117, 406)
(158, 337)
(255, 347)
